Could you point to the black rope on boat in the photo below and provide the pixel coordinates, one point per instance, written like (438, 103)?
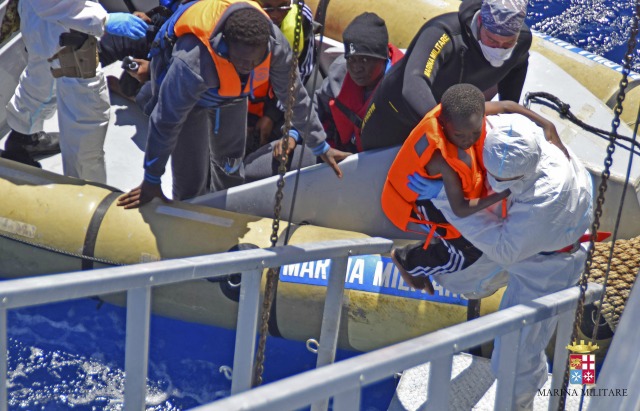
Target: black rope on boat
(320, 16)
(58, 250)
(549, 100)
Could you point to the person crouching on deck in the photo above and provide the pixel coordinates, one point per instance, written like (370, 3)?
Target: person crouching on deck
(218, 52)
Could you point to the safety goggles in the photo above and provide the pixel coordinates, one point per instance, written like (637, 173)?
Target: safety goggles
(276, 9)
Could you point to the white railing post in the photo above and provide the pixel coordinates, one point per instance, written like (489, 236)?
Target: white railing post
(560, 353)
(505, 390)
(331, 319)
(439, 382)
(246, 328)
(4, 359)
(347, 400)
(137, 348)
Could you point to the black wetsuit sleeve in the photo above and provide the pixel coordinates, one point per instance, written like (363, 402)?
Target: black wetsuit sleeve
(510, 88)
(427, 57)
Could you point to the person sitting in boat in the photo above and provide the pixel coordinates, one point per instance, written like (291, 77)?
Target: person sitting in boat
(63, 73)
(266, 116)
(485, 43)
(345, 94)
(343, 97)
(221, 51)
(534, 244)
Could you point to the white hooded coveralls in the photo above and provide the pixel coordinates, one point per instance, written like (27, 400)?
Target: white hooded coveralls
(549, 209)
(83, 104)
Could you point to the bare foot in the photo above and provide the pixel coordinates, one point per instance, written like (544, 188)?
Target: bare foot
(418, 282)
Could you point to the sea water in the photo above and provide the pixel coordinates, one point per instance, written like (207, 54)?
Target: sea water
(602, 27)
(71, 355)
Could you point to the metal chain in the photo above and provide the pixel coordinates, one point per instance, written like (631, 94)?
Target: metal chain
(615, 123)
(272, 274)
(60, 251)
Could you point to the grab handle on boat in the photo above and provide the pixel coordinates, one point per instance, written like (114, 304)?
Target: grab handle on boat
(234, 281)
(227, 371)
(313, 345)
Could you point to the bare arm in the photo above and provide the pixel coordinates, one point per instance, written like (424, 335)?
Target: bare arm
(550, 132)
(460, 206)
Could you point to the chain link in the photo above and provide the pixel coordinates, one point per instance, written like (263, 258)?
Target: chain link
(272, 274)
(606, 173)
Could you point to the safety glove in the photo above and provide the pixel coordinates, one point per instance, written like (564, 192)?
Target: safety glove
(426, 188)
(126, 25)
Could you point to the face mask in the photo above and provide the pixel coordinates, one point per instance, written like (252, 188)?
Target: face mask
(515, 186)
(496, 57)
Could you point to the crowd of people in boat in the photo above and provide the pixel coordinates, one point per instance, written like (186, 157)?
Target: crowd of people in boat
(498, 197)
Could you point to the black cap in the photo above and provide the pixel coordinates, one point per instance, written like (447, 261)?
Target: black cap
(366, 35)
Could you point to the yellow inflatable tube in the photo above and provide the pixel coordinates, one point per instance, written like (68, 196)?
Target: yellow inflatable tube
(51, 224)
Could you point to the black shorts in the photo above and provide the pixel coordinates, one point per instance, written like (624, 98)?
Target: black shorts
(441, 257)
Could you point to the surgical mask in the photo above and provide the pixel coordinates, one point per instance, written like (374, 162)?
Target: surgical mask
(516, 186)
(496, 56)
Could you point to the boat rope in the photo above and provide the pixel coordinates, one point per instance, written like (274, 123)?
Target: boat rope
(59, 250)
(272, 274)
(625, 265)
(321, 12)
(565, 112)
(615, 123)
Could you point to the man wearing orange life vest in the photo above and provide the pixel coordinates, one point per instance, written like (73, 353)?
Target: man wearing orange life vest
(221, 50)
(446, 148)
(346, 92)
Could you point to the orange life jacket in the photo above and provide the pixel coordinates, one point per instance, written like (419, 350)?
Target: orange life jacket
(202, 20)
(398, 200)
(260, 95)
(351, 98)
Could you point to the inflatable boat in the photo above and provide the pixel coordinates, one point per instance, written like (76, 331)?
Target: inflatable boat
(51, 224)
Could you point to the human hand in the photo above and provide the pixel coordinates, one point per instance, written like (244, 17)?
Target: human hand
(142, 74)
(332, 157)
(551, 135)
(278, 148)
(426, 188)
(143, 16)
(141, 195)
(125, 24)
(264, 127)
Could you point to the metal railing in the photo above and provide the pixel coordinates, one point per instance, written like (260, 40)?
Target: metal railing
(138, 280)
(344, 380)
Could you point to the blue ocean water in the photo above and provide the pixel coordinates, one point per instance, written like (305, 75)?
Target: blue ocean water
(602, 27)
(71, 355)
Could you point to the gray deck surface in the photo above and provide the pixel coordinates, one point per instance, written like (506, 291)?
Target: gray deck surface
(473, 387)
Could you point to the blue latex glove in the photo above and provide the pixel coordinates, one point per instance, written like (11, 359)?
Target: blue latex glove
(127, 25)
(426, 188)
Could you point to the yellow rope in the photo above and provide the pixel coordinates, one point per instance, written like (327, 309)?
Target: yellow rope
(624, 269)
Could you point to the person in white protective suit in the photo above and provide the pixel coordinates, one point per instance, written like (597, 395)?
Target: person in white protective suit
(550, 208)
(63, 71)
